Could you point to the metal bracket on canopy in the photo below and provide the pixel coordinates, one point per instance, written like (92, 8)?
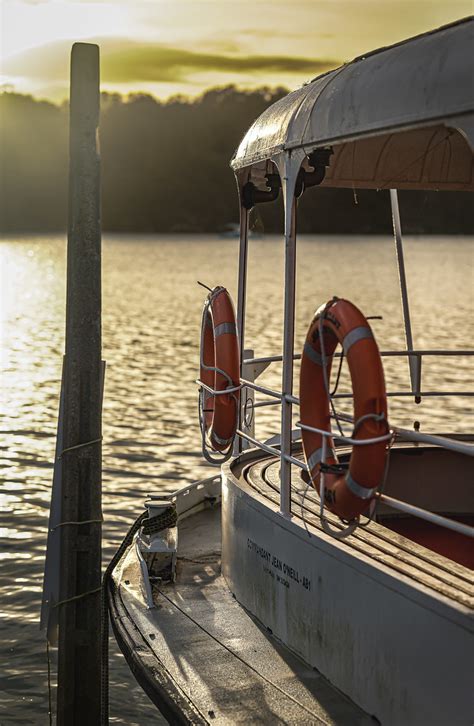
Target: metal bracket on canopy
(251, 195)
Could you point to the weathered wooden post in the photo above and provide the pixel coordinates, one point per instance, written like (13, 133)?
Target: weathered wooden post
(80, 568)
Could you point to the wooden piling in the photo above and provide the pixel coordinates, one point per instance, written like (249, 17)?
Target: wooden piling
(80, 568)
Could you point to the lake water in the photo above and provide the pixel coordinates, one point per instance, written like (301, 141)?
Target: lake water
(151, 321)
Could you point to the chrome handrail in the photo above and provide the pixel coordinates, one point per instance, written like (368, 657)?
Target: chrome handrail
(383, 353)
(426, 515)
(220, 392)
(413, 436)
(389, 501)
(390, 394)
(346, 439)
(410, 353)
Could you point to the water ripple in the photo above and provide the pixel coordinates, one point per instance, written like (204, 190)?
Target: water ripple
(151, 319)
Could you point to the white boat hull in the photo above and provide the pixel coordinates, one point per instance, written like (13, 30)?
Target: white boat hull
(400, 650)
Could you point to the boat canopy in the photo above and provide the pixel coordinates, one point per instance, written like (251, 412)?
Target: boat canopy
(401, 116)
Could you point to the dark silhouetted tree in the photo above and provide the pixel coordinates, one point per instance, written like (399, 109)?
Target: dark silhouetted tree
(165, 168)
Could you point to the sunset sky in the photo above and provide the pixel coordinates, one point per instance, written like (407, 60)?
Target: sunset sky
(184, 46)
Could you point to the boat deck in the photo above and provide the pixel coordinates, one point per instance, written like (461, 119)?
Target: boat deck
(407, 558)
(203, 659)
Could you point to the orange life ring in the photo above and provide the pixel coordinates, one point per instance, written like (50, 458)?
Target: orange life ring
(220, 369)
(346, 494)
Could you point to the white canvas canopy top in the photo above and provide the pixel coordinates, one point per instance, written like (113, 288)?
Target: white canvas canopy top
(401, 116)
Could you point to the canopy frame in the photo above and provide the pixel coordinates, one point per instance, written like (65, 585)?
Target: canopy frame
(398, 117)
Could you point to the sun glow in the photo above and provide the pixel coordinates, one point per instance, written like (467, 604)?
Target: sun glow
(26, 25)
(224, 37)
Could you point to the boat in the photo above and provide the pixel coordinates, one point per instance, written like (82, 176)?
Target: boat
(246, 597)
(232, 231)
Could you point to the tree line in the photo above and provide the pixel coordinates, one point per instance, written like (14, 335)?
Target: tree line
(165, 169)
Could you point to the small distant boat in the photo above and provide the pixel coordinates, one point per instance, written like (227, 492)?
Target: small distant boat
(232, 231)
(250, 598)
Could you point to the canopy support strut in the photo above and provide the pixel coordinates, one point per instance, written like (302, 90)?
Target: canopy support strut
(414, 361)
(289, 165)
(241, 295)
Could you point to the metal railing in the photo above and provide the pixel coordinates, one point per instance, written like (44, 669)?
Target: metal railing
(415, 359)
(245, 433)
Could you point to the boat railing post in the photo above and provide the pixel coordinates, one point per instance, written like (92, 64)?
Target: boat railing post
(242, 289)
(414, 361)
(247, 399)
(250, 372)
(288, 166)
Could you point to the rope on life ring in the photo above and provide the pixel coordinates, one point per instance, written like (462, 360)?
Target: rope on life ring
(219, 395)
(347, 493)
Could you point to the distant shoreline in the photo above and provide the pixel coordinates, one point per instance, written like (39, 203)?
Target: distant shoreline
(165, 170)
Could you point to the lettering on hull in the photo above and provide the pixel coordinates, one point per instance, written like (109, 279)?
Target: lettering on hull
(277, 569)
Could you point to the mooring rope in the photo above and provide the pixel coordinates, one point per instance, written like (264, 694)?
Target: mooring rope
(79, 446)
(78, 524)
(104, 618)
(77, 597)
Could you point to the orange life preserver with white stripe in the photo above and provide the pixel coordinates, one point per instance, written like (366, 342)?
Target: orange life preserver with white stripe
(347, 494)
(220, 369)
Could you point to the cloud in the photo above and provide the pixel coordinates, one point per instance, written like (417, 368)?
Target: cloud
(125, 61)
(161, 63)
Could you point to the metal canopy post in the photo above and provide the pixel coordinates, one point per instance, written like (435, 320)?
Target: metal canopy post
(250, 373)
(288, 166)
(414, 362)
(241, 293)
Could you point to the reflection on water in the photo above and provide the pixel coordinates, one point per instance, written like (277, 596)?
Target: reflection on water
(151, 322)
